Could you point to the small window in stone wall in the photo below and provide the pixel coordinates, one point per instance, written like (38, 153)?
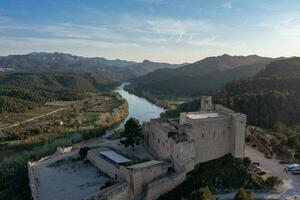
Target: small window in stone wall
(158, 141)
(202, 135)
(163, 144)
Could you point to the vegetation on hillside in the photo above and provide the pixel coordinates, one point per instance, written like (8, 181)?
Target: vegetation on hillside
(204, 77)
(270, 97)
(82, 120)
(271, 101)
(20, 92)
(220, 175)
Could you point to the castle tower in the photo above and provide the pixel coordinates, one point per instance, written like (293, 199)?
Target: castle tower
(206, 103)
(238, 135)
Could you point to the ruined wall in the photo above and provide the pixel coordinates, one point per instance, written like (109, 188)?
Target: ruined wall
(163, 185)
(118, 191)
(141, 177)
(183, 155)
(157, 140)
(33, 183)
(212, 137)
(104, 165)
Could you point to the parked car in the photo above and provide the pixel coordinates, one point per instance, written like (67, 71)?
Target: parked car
(269, 156)
(284, 162)
(256, 164)
(257, 168)
(292, 167)
(296, 172)
(261, 173)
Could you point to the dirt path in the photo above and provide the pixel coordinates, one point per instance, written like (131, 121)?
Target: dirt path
(32, 119)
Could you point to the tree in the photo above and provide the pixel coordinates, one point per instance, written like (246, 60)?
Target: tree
(201, 194)
(273, 182)
(83, 151)
(243, 195)
(132, 134)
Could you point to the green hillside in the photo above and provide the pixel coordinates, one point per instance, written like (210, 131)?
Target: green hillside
(22, 91)
(204, 77)
(273, 95)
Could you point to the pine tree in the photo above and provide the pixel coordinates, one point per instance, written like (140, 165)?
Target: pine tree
(132, 134)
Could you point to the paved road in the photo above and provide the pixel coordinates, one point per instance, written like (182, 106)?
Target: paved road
(32, 119)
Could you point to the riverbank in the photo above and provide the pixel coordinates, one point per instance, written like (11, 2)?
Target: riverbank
(13, 167)
(166, 102)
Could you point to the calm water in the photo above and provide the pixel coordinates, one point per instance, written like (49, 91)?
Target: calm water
(138, 107)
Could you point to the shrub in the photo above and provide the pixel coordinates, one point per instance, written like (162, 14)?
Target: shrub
(83, 151)
(243, 195)
(201, 194)
(273, 181)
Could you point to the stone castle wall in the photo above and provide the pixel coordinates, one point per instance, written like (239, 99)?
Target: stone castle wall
(212, 137)
(158, 140)
(33, 183)
(183, 155)
(141, 177)
(119, 191)
(104, 165)
(164, 185)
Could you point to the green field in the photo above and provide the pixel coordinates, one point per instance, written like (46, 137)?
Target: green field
(80, 120)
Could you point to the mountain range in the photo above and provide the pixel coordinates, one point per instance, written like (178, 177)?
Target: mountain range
(205, 77)
(108, 70)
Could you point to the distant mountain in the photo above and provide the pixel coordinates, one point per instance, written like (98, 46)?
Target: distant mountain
(51, 81)
(204, 77)
(273, 95)
(148, 66)
(109, 70)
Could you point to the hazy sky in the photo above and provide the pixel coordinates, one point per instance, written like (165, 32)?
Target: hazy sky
(160, 30)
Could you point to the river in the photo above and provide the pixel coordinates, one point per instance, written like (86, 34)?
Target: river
(138, 107)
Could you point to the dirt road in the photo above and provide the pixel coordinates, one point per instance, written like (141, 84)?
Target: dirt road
(31, 119)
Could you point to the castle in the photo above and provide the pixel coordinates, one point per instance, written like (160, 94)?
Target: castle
(171, 149)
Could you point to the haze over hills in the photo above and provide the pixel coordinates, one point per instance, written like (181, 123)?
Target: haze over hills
(109, 70)
(204, 77)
